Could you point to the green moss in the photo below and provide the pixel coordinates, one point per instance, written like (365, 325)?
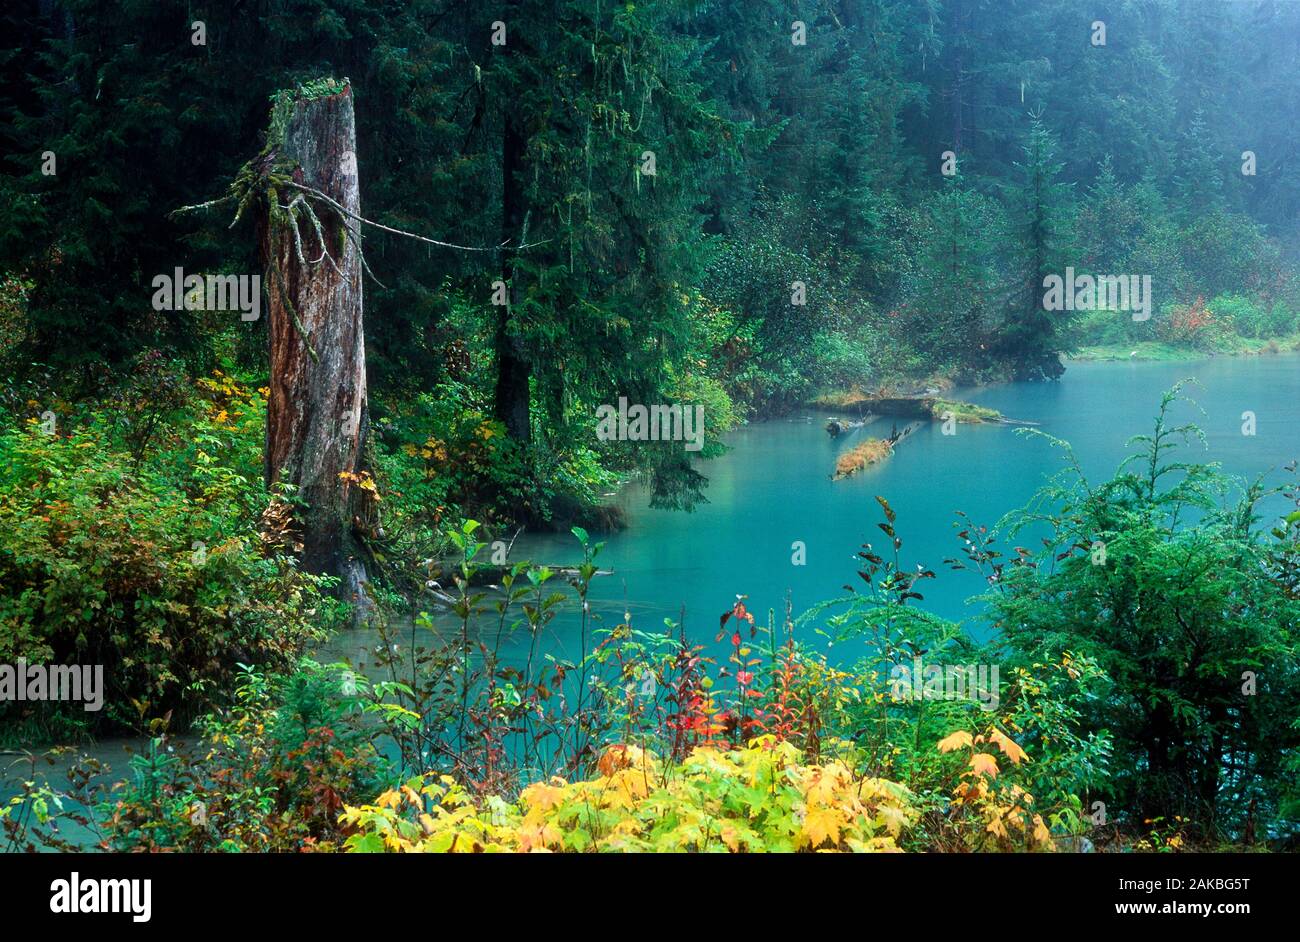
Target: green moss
(966, 412)
(282, 103)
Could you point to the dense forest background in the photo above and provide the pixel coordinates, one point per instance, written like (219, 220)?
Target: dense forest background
(788, 143)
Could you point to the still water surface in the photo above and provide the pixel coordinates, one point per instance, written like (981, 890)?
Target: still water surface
(774, 487)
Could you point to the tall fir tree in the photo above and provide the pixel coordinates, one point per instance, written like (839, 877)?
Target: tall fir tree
(1033, 335)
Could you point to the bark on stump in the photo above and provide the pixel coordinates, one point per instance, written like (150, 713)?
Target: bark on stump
(317, 416)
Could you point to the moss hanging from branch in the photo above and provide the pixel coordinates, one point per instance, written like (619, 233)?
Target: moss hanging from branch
(261, 180)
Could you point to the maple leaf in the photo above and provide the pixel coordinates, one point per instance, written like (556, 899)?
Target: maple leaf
(895, 818)
(614, 758)
(729, 837)
(819, 824)
(1008, 746)
(981, 763)
(627, 787)
(954, 741)
(542, 797)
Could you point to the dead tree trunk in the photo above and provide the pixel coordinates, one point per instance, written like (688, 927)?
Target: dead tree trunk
(317, 418)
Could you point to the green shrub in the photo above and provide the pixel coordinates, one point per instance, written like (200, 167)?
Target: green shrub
(1250, 317)
(272, 774)
(1188, 606)
(148, 563)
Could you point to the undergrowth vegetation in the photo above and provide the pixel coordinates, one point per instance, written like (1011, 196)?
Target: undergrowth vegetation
(130, 538)
(1112, 724)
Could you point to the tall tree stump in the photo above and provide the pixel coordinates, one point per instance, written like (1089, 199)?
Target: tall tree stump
(317, 417)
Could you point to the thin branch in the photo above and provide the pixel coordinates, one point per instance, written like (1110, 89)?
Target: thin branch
(411, 235)
(356, 235)
(320, 233)
(198, 206)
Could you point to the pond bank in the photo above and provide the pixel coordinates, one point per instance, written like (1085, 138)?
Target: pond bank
(1148, 351)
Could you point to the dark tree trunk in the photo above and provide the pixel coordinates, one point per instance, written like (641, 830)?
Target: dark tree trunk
(513, 370)
(317, 417)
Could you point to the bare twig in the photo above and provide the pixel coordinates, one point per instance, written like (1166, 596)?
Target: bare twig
(410, 235)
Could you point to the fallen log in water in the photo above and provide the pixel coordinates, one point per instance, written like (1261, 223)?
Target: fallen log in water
(837, 427)
(910, 407)
(871, 451)
(861, 456)
(928, 408)
(935, 408)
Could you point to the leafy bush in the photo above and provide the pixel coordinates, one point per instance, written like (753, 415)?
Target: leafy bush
(759, 798)
(1190, 609)
(975, 804)
(274, 772)
(147, 564)
(1253, 318)
(1193, 325)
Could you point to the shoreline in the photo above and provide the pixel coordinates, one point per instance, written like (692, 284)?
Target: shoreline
(1150, 351)
(829, 402)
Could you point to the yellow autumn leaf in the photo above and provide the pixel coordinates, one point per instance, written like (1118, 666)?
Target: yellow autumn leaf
(1041, 833)
(728, 834)
(1010, 748)
(625, 788)
(822, 784)
(954, 741)
(821, 824)
(875, 845)
(981, 763)
(895, 819)
(538, 838)
(542, 796)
